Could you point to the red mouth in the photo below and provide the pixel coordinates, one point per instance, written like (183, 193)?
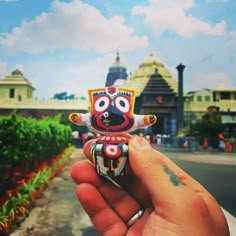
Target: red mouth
(115, 123)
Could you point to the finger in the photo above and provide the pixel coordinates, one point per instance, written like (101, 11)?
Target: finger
(105, 219)
(116, 198)
(155, 173)
(87, 150)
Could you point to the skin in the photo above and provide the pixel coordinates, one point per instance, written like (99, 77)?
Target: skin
(174, 203)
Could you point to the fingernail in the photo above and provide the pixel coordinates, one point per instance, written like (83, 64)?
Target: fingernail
(139, 143)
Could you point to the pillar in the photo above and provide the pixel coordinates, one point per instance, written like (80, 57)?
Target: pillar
(180, 105)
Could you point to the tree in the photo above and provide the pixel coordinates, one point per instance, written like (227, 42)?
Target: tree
(209, 126)
(64, 96)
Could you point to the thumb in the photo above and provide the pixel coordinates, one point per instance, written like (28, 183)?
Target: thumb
(152, 168)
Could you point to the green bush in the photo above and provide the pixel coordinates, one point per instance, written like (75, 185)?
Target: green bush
(22, 139)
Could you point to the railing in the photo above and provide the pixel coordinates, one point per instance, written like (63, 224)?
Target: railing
(191, 144)
(202, 106)
(185, 144)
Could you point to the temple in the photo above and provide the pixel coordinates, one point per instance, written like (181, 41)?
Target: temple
(117, 74)
(156, 93)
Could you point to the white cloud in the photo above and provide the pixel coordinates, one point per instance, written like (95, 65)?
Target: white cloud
(89, 75)
(3, 69)
(233, 33)
(80, 77)
(172, 16)
(216, 1)
(208, 80)
(173, 71)
(96, 66)
(73, 25)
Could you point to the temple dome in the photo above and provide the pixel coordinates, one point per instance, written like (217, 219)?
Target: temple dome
(17, 72)
(16, 78)
(151, 65)
(151, 60)
(117, 63)
(117, 70)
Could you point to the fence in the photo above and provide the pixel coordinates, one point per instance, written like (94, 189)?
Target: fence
(189, 144)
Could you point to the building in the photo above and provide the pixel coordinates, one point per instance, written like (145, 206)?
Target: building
(156, 93)
(197, 102)
(16, 93)
(16, 87)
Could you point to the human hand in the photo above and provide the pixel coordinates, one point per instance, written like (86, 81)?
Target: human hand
(173, 202)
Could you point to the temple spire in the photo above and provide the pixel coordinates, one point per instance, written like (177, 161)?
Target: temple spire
(117, 58)
(117, 72)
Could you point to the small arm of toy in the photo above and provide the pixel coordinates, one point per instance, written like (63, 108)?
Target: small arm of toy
(79, 119)
(143, 121)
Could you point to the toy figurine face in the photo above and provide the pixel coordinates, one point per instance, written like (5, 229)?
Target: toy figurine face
(111, 109)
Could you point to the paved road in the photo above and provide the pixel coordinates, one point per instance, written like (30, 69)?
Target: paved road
(58, 213)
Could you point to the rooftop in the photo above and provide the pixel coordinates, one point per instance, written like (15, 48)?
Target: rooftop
(151, 65)
(16, 78)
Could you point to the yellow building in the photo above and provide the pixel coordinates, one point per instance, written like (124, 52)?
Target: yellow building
(16, 93)
(197, 102)
(16, 87)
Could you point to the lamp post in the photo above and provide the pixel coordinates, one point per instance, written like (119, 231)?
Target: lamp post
(180, 105)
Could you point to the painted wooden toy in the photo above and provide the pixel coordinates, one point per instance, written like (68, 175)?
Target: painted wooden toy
(111, 115)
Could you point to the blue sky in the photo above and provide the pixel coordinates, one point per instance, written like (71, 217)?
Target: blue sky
(68, 45)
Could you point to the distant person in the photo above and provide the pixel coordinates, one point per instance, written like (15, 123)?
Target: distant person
(158, 139)
(205, 143)
(75, 138)
(84, 138)
(159, 199)
(221, 142)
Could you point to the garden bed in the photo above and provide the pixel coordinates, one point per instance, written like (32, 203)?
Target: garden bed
(17, 201)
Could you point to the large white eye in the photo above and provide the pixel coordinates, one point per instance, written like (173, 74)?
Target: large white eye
(122, 104)
(102, 104)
